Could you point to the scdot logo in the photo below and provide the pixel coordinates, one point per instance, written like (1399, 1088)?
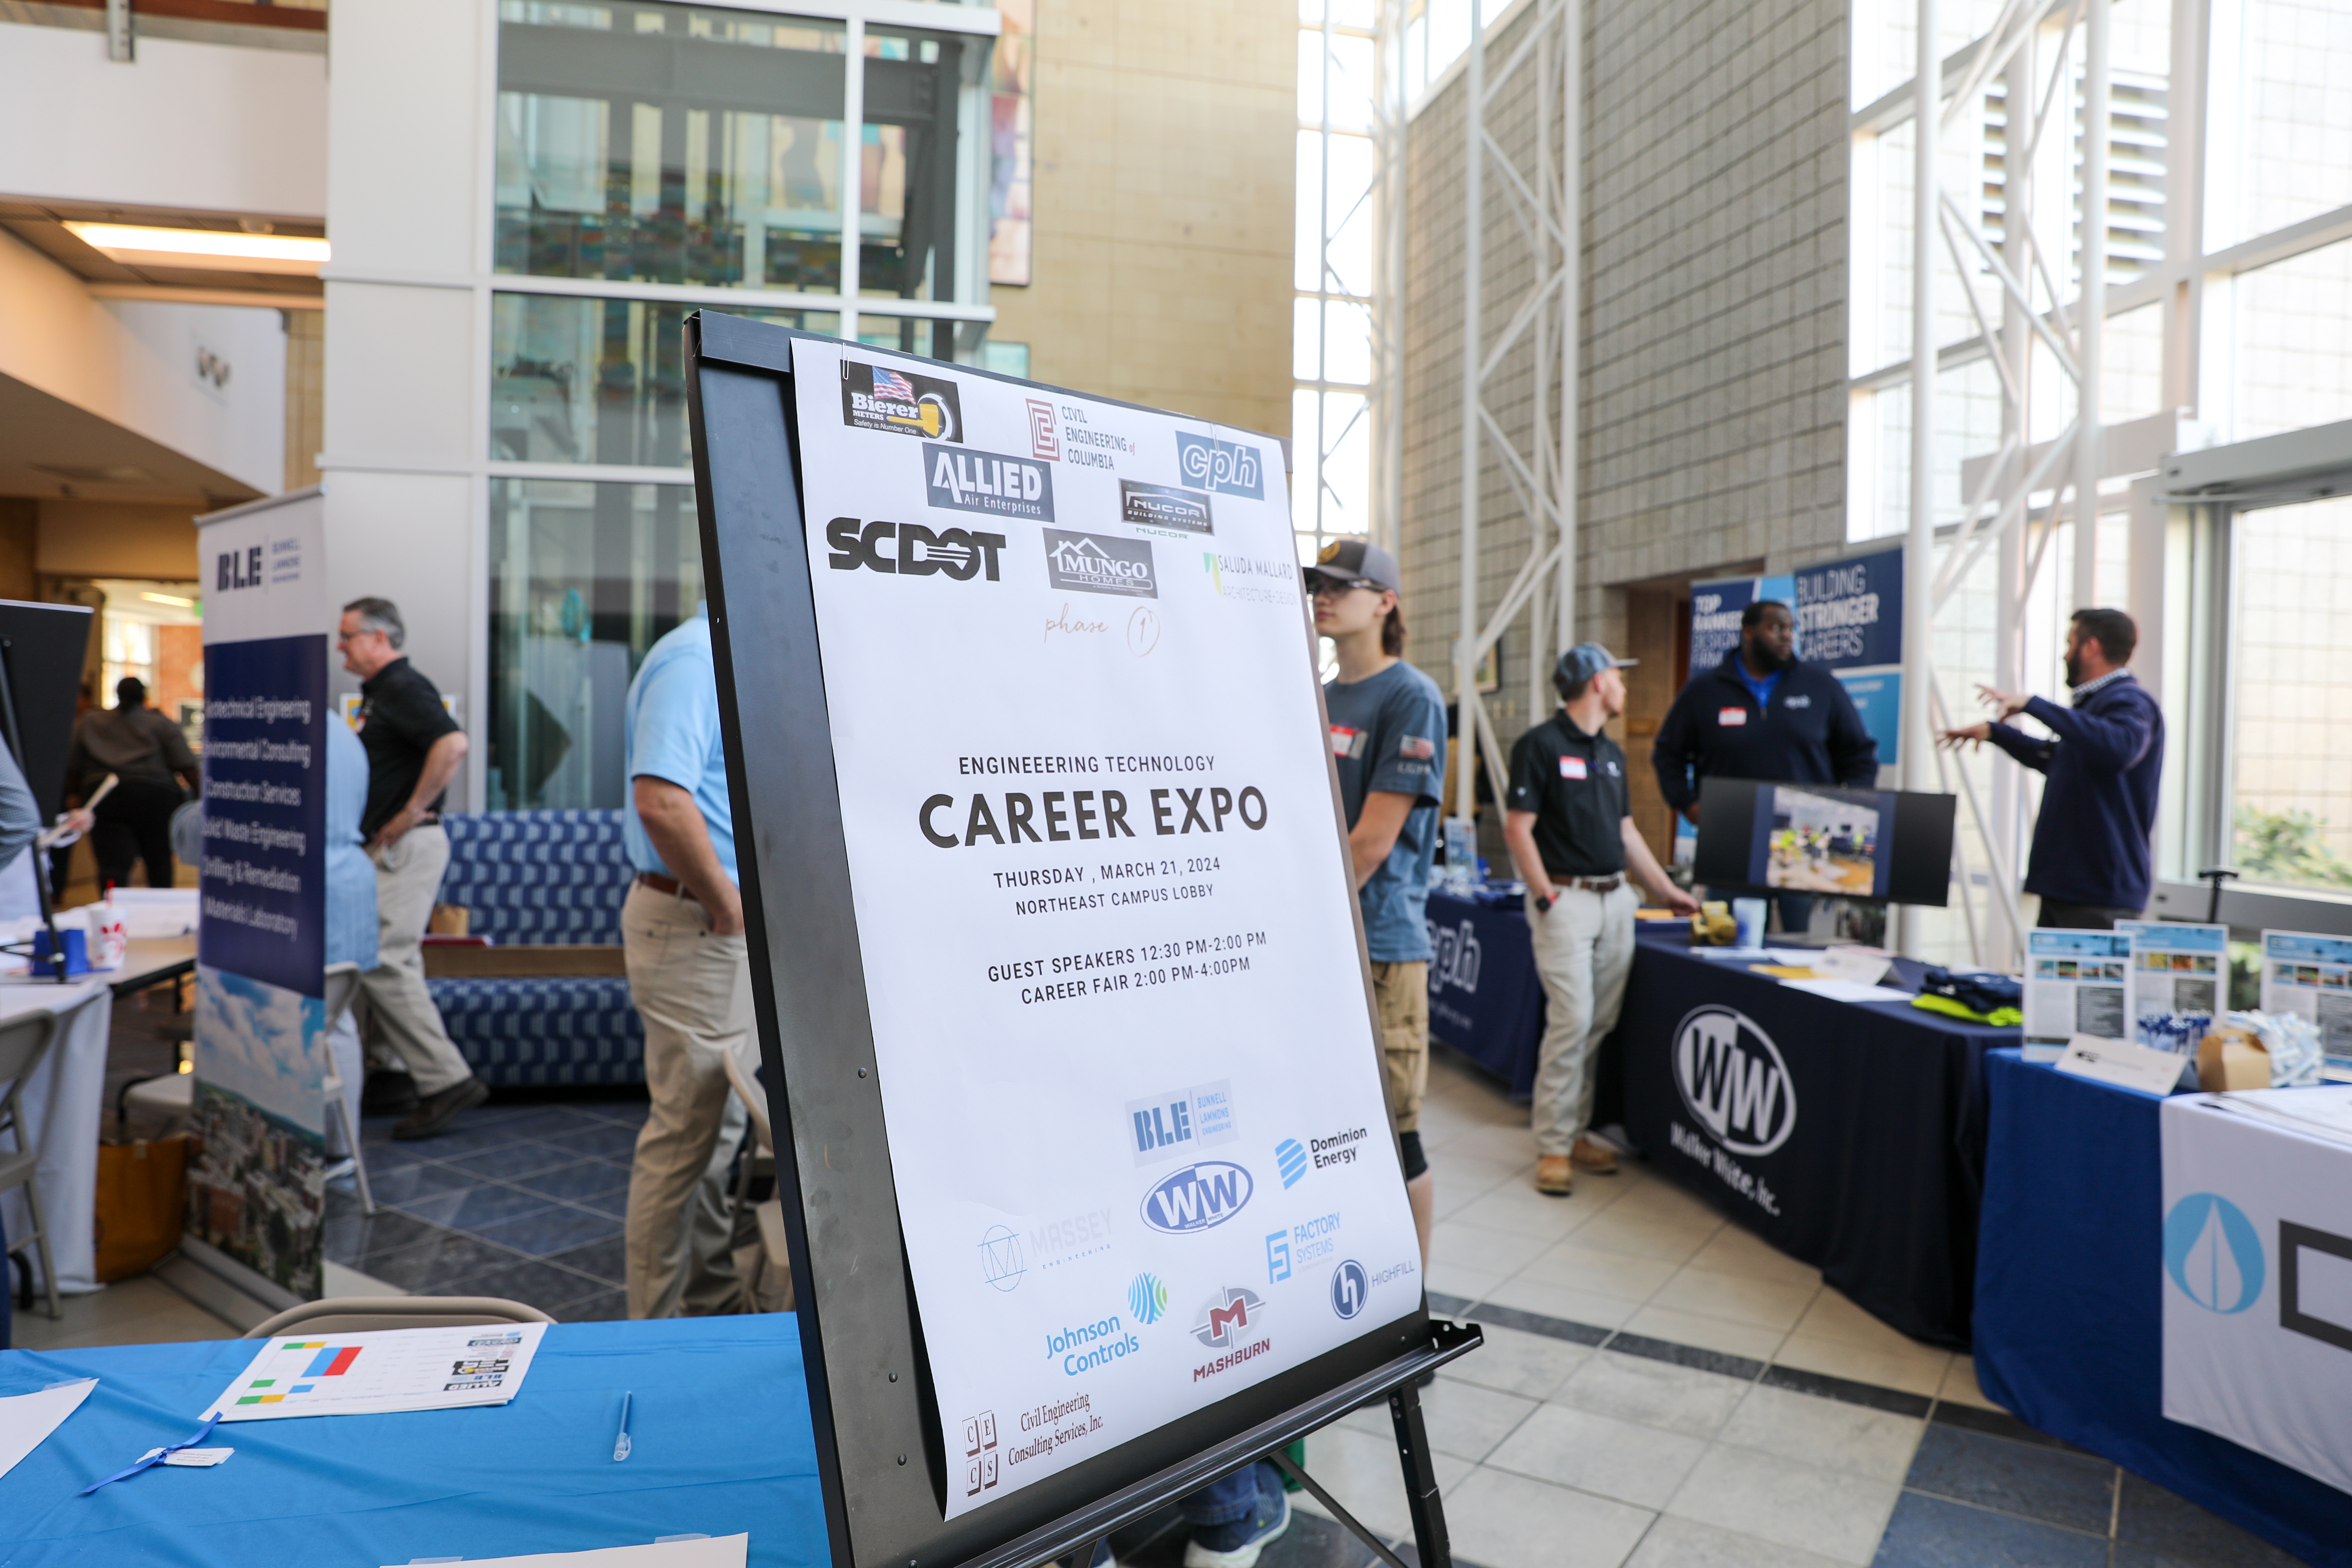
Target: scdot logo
(1733, 1080)
(2212, 1253)
(956, 553)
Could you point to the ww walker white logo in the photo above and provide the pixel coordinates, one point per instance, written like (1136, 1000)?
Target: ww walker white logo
(1734, 1082)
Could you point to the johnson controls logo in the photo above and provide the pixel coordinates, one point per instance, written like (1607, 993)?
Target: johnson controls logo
(1733, 1080)
(1230, 467)
(1201, 1196)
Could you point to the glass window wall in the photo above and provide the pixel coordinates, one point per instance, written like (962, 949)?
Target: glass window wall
(2290, 701)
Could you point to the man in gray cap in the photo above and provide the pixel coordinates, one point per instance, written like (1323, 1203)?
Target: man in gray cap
(1388, 742)
(1573, 840)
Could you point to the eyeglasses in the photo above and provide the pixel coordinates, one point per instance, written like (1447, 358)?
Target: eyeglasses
(1322, 584)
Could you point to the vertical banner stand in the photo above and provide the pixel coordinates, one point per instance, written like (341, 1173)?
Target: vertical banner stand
(883, 540)
(17, 751)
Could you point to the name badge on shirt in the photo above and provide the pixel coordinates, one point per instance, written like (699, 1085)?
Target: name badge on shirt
(1730, 716)
(1346, 743)
(1571, 767)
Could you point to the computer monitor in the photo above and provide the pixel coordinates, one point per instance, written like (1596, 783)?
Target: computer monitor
(1886, 846)
(42, 648)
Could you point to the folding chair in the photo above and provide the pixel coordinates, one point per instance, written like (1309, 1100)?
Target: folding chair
(771, 1214)
(355, 1314)
(24, 1042)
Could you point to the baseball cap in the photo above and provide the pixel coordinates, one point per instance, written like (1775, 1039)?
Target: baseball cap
(1359, 564)
(1587, 660)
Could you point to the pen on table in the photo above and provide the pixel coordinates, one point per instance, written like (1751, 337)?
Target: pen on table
(621, 1443)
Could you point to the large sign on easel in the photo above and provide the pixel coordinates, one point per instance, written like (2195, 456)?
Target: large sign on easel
(1026, 727)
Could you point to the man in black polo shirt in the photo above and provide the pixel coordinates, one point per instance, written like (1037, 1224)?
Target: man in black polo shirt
(1573, 839)
(413, 747)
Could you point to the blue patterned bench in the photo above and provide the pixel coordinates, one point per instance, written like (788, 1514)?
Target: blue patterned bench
(542, 878)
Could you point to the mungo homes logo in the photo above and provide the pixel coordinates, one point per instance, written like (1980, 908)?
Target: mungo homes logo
(1733, 1081)
(1099, 563)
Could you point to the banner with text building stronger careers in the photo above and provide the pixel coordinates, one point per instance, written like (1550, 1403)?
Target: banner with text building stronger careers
(1849, 615)
(1136, 1116)
(258, 1190)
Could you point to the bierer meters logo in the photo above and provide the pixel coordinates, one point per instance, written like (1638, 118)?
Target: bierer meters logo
(1210, 464)
(1201, 1196)
(875, 398)
(988, 482)
(1097, 564)
(910, 550)
(1164, 505)
(1733, 1080)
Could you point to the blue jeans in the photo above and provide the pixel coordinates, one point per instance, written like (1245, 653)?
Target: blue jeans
(1227, 1500)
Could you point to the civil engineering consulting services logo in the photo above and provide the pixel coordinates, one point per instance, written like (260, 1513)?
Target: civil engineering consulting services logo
(969, 480)
(876, 398)
(1350, 1288)
(1206, 463)
(999, 1257)
(1228, 1316)
(1164, 505)
(1097, 563)
(1733, 1080)
(1290, 1158)
(1201, 1196)
(2212, 1253)
(1147, 1298)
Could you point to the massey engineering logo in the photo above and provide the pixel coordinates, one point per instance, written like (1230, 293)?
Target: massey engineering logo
(999, 1257)
(1147, 1298)
(988, 482)
(1350, 1288)
(1162, 1125)
(2212, 1254)
(1230, 1317)
(1733, 1080)
(874, 398)
(1201, 1196)
(1097, 564)
(1207, 463)
(910, 550)
(1290, 1158)
(1164, 505)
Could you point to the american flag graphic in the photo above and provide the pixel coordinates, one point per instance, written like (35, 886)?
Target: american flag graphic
(890, 383)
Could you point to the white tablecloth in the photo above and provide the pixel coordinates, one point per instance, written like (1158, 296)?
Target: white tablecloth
(63, 1105)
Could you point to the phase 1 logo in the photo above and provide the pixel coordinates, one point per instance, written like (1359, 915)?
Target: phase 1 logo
(1210, 464)
(1229, 1316)
(999, 1257)
(1349, 1288)
(987, 481)
(1199, 1197)
(1733, 1081)
(1147, 1298)
(875, 398)
(1097, 563)
(2212, 1253)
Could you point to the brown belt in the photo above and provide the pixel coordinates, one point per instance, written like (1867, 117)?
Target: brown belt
(1590, 884)
(670, 885)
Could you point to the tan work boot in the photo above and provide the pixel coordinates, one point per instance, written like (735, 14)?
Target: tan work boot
(1594, 1157)
(1554, 1179)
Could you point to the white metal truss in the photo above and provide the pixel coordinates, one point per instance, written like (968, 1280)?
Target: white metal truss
(1353, 63)
(1544, 203)
(2044, 344)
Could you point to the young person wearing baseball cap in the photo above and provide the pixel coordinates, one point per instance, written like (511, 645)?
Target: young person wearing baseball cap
(1388, 741)
(1573, 841)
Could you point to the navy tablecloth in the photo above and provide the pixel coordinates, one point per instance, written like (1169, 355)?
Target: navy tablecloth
(1485, 999)
(1861, 1157)
(2070, 1311)
(719, 1424)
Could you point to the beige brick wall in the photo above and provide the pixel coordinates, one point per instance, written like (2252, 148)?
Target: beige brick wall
(1164, 162)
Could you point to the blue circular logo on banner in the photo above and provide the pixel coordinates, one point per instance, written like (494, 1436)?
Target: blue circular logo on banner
(2212, 1253)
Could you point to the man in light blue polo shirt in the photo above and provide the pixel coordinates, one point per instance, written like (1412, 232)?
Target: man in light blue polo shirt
(682, 934)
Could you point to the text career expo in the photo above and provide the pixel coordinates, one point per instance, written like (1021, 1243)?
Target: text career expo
(1015, 818)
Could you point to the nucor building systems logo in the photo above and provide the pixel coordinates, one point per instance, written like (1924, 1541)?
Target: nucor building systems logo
(1733, 1081)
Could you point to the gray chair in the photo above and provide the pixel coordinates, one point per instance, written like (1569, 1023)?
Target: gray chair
(356, 1314)
(24, 1042)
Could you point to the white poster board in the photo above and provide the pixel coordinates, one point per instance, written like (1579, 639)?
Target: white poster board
(2310, 977)
(1105, 913)
(2075, 983)
(2180, 982)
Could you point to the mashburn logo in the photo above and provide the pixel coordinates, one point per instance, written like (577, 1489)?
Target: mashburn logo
(1201, 1196)
(1733, 1080)
(1164, 505)
(876, 398)
(1097, 564)
(1231, 1322)
(1234, 467)
(988, 482)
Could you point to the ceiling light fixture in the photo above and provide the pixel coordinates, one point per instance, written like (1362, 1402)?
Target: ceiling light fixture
(138, 247)
(170, 599)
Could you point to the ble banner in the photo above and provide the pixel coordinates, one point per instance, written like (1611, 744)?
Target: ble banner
(258, 1189)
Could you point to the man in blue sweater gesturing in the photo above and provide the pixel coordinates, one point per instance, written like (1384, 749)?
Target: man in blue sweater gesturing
(2092, 857)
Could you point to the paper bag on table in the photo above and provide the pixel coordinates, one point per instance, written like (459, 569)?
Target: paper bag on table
(2233, 1058)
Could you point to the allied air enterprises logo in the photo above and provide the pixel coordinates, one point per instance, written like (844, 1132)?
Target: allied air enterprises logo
(1229, 1317)
(988, 482)
(1097, 563)
(999, 1257)
(1233, 467)
(1147, 1298)
(2212, 1254)
(875, 398)
(1733, 1080)
(1201, 1196)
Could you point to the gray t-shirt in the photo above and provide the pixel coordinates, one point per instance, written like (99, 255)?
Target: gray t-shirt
(1388, 733)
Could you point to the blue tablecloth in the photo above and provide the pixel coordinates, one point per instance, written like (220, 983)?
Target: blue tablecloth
(1485, 999)
(2070, 1311)
(720, 1423)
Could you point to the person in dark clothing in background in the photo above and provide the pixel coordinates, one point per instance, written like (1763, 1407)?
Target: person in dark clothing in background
(151, 762)
(1763, 713)
(2093, 861)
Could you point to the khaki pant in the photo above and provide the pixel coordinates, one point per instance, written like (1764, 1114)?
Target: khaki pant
(407, 880)
(1401, 992)
(1584, 949)
(693, 990)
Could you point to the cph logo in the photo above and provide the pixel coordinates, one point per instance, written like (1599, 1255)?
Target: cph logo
(1207, 463)
(1458, 958)
(2212, 1254)
(1733, 1081)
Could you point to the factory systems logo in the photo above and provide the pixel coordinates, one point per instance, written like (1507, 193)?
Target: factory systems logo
(875, 398)
(1733, 1081)
(1199, 1197)
(1233, 467)
(988, 482)
(1097, 564)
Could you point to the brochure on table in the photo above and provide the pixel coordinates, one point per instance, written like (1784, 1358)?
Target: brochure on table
(381, 1370)
(1141, 1143)
(2310, 977)
(2074, 984)
(2179, 977)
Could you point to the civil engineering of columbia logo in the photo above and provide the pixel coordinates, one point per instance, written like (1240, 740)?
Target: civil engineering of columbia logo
(1735, 1084)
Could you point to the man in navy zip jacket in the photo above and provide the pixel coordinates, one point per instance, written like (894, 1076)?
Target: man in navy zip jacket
(2091, 859)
